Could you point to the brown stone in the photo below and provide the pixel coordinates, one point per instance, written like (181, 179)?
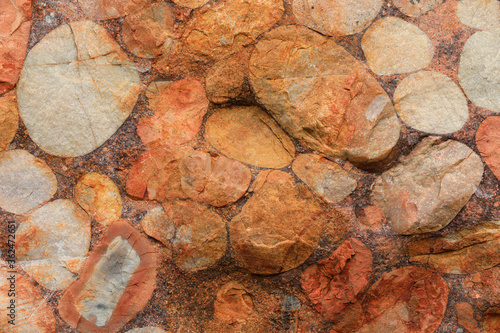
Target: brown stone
(491, 320)
(372, 217)
(108, 9)
(415, 8)
(194, 234)
(148, 329)
(261, 242)
(332, 284)
(190, 3)
(465, 317)
(248, 134)
(117, 281)
(9, 119)
(323, 96)
(327, 179)
(14, 34)
(484, 285)
(233, 303)
(99, 196)
(428, 188)
(488, 143)
(225, 79)
(178, 110)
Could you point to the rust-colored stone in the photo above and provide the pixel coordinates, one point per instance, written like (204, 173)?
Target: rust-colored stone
(9, 119)
(465, 317)
(225, 79)
(233, 303)
(484, 285)
(491, 320)
(108, 9)
(488, 143)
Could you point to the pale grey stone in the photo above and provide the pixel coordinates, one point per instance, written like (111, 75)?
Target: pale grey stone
(479, 14)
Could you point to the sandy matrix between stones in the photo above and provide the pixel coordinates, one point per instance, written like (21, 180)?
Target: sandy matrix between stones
(249, 166)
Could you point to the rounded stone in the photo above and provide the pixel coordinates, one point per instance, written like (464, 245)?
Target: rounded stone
(225, 80)
(394, 46)
(336, 17)
(415, 8)
(190, 3)
(323, 96)
(233, 303)
(25, 181)
(431, 102)
(248, 134)
(9, 119)
(488, 143)
(77, 87)
(479, 69)
(107, 9)
(479, 14)
(148, 329)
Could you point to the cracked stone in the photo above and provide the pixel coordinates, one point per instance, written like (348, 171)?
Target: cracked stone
(98, 195)
(428, 188)
(467, 251)
(484, 285)
(415, 8)
(148, 329)
(394, 46)
(261, 243)
(190, 3)
(479, 69)
(76, 89)
(233, 303)
(323, 96)
(15, 24)
(25, 181)
(9, 119)
(225, 80)
(52, 243)
(332, 284)
(178, 111)
(479, 14)
(116, 283)
(248, 134)
(336, 18)
(431, 102)
(194, 234)
(107, 9)
(327, 179)
(488, 143)
(214, 33)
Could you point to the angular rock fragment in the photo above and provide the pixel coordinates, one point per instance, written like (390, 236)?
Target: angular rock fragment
(488, 143)
(194, 234)
(467, 251)
(491, 320)
(108, 9)
(225, 80)
(99, 196)
(150, 32)
(248, 134)
(337, 18)
(117, 281)
(428, 188)
(327, 179)
(178, 109)
(261, 243)
(323, 96)
(76, 89)
(190, 3)
(214, 34)
(394, 46)
(431, 102)
(484, 285)
(149, 329)
(332, 284)
(479, 69)
(465, 317)
(30, 312)
(15, 25)
(415, 8)
(53, 242)
(233, 303)
(479, 14)
(25, 181)
(9, 119)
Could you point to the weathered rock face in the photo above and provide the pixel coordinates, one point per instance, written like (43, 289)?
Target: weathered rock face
(9, 119)
(194, 234)
(116, 282)
(108, 9)
(92, 85)
(14, 34)
(427, 189)
(261, 243)
(322, 96)
(225, 80)
(332, 284)
(484, 285)
(249, 135)
(415, 8)
(178, 109)
(488, 143)
(233, 303)
(327, 179)
(479, 14)
(336, 18)
(431, 102)
(467, 251)
(31, 312)
(479, 69)
(213, 33)
(25, 181)
(149, 329)
(491, 319)
(53, 242)
(99, 196)
(190, 3)
(394, 46)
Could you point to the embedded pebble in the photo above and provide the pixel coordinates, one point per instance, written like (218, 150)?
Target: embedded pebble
(484, 285)
(225, 80)
(488, 143)
(431, 102)
(415, 8)
(465, 317)
(108, 9)
(394, 46)
(190, 3)
(233, 303)
(149, 329)
(479, 14)
(25, 181)
(9, 119)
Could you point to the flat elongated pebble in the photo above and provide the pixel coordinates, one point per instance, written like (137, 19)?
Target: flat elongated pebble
(479, 14)
(99, 196)
(250, 135)
(233, 303)
(336, 17)
(431, 102)
(149, 329)
(53, 242)
(415, 8)
(327, 179)
(25, 181)
(92, 87)
(394, 46)
(9, 119)
(488, 143)
(190, 3)
(479, 69)
(108, 9)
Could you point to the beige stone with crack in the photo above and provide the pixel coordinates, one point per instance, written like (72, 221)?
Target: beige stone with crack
(479, 14)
